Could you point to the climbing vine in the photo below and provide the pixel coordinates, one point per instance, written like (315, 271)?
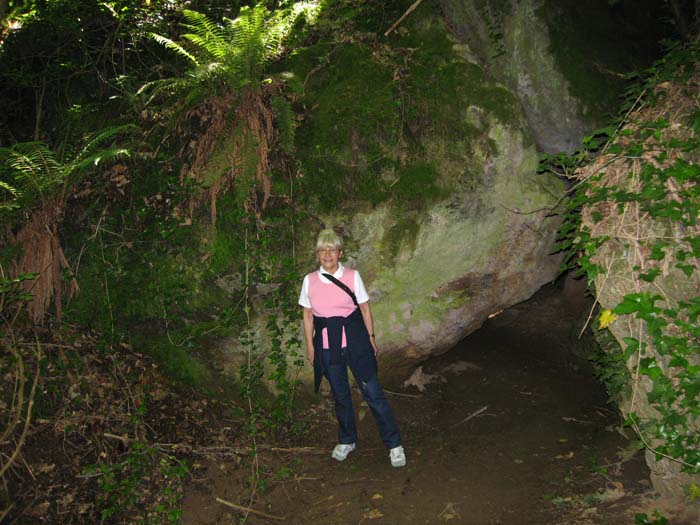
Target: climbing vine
(633, 228)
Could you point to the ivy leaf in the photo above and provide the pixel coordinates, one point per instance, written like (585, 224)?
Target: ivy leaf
(649, 367)
(650, 275)
(631, 303)
(657, 251)
(615, 149)
(687, 268)
(635, 150)
(632, 419)
(632, 345)
(637, 302)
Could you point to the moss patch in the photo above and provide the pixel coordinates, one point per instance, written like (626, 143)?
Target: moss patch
(372, 107)
(444, 85)
(341, 144)
(403, 233)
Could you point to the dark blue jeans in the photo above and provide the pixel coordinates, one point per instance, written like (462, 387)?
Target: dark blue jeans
(373, 394)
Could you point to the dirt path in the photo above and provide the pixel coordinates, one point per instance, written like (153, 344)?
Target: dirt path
(541, 445)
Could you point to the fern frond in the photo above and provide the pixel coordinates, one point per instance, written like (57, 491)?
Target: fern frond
(167, 86)
(249, 57)
(201, 24)
(9, 189)
(94, 160)
(224, 58)
(35, 164)
(93, 141)
(196, 95)
(9, 198)
(174, 46)
(211, 48)
(206, 34)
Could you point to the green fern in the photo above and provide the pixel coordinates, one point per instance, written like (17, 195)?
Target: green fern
(9, 197)
(174, 46)
(32, 172)
(31, 168)
(206, 35)
(223, 58)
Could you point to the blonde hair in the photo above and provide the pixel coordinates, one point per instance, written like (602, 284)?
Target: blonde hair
(328, 237)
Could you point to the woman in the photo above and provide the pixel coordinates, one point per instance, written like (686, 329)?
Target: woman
(339, 332)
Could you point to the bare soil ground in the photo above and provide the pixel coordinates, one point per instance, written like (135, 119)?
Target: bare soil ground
(511, 427)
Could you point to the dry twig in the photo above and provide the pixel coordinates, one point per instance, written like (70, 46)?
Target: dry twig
(403, 17)
(471, 416)
(249, 510)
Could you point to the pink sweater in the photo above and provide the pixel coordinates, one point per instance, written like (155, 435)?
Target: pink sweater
(329, 300)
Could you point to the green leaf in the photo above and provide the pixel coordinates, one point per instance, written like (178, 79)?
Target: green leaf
(687, 269)
(657, 251)
(650, 275)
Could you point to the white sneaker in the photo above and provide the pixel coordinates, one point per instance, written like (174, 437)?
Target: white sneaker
(397, 456)
(340, 452)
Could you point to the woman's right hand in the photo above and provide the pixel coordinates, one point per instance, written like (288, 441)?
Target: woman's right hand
(309, 333)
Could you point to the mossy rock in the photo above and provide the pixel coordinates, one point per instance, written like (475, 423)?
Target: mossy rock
(427, 167)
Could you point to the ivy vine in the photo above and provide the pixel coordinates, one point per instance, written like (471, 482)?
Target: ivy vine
(633, 229)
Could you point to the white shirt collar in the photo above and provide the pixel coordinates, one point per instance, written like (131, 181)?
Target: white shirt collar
(338, 273)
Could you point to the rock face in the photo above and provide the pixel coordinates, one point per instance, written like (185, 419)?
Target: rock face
(513, 40)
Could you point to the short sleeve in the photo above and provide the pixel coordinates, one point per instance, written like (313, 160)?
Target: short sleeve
(360, 290)
(304, 295)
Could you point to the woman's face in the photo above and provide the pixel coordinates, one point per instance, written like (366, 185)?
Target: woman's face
(329, 256)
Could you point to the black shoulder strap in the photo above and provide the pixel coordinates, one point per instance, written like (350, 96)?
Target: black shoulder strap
(342, 286)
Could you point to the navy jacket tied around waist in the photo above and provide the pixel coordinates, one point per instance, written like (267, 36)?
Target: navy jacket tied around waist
(360, 354)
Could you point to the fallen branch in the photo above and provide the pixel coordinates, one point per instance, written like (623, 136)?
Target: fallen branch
(241, 508)
(403, 16)
(472, 415)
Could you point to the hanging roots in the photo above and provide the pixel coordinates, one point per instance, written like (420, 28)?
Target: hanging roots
(42, 255)
(246, 162)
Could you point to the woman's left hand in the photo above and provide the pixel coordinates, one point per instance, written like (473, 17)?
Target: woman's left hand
(369, 324)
